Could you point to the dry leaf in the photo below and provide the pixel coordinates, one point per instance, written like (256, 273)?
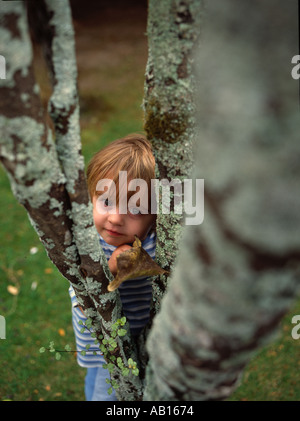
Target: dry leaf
(61, 332)
(13, 290)
(48, 270)
(134, 263)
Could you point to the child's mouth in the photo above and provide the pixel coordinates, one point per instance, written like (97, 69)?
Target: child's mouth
(114, 233)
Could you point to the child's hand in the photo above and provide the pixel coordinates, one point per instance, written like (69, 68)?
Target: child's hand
(112, 263)
(133, 262)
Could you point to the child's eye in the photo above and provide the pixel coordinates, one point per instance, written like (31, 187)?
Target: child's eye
(110, 203)
(106, 202)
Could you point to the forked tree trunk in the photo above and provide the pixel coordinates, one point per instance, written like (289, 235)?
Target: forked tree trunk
(47, 171)
(235, 275)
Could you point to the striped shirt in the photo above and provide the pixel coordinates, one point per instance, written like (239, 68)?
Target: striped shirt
(135, 295)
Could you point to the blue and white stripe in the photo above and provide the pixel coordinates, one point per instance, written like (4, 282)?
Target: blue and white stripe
(135, 296)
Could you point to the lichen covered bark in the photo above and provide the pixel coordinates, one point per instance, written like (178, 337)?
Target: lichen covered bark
(55, 28)
(238, 272)
(173, 31)
(46, 171)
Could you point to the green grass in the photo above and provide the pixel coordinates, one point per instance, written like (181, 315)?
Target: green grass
(274, 373)
(34, 315)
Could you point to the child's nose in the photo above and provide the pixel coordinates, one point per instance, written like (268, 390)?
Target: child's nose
(115, 218)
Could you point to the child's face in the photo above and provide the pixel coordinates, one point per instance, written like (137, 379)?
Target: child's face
(117, 229)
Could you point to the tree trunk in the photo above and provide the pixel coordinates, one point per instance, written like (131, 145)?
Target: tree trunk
(47, 175)
(173, 33)
(238, 272)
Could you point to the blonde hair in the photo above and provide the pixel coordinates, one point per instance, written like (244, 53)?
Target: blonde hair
(132, 153)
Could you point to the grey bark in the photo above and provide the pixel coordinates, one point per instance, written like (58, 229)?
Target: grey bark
(173, 34)
(238, 272)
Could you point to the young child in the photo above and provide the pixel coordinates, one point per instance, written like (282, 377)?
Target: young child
(117, 230)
